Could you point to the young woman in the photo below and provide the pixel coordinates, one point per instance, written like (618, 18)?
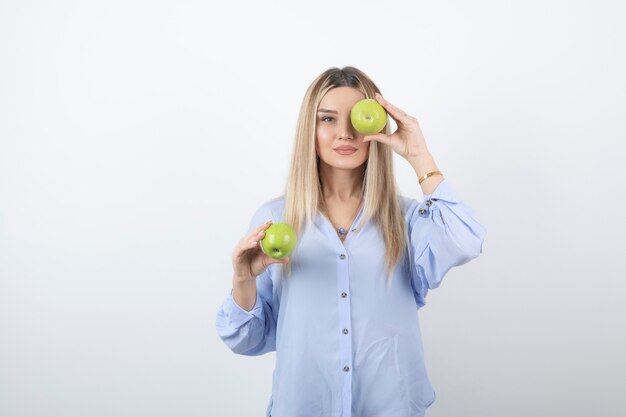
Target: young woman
(341, 312)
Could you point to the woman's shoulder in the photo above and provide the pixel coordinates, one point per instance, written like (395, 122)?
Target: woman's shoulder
(271, 209)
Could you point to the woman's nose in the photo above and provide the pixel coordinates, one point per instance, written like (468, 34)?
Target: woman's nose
(346, 130)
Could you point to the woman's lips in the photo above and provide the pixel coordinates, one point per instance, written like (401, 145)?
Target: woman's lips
(345, 150)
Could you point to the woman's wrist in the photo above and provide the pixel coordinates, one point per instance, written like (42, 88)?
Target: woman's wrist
(240, 280)
(244, 293)
(422, 165)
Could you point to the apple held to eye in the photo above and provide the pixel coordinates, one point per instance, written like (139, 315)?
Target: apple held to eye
(279, 241)
(368, 117)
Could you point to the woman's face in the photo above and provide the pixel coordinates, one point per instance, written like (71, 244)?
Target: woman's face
(334, 130)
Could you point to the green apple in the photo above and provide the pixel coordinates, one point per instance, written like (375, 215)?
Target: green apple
(368, 117)
(279, 241)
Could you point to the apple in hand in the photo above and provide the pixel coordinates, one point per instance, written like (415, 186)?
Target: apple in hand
(279, 241)
(368, 117)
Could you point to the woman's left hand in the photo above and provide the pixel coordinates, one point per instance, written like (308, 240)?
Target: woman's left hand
(407, 141)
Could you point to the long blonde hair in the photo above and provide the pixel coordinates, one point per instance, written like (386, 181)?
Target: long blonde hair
(303, 191)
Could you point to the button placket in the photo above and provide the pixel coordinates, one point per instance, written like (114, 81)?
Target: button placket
(344, 294)
(344, 322)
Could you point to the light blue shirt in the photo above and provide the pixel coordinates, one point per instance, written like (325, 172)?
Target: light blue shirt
(347, 343)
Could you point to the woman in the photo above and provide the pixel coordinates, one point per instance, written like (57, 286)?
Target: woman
(341, 312)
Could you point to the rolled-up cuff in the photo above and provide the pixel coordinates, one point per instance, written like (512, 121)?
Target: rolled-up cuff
(237, 315)
(444, 191)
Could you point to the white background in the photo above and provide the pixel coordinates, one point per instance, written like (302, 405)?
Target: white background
(137, 138)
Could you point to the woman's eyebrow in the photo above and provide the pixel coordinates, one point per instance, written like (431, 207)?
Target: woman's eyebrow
(326, 111)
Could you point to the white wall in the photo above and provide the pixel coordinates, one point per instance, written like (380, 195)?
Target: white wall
(138, 137)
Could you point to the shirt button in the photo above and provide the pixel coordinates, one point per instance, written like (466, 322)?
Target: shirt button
(346, 368)
(342, 256)
(428, 203)
(422, 211)
(344, 295)
(345, 331)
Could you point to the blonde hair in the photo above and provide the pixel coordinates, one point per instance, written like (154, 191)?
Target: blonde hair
(303, 191)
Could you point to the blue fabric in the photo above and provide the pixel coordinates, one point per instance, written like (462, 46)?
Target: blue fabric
(358, 354)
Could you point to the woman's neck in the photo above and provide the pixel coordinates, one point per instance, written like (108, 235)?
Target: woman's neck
(341, 185)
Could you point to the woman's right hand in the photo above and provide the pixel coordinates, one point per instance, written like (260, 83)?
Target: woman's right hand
(248, 258)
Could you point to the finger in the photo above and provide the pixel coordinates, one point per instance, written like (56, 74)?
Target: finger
(259, 229)
(398, 115)
(280, 261)
(250, 241)
(379, 137)
(245, 242)
(243, 247)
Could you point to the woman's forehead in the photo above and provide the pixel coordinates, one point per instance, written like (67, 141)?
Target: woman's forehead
(340, 97)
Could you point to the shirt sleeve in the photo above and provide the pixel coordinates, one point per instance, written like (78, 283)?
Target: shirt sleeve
(250, 333)
(443, 233)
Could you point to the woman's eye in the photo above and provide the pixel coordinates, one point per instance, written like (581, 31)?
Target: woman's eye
(326, 117)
